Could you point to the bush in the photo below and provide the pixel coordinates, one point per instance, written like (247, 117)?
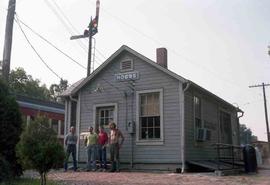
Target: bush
(39, 148)
(5, 171)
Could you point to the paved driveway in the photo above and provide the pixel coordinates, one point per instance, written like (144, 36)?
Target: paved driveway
(140, 178)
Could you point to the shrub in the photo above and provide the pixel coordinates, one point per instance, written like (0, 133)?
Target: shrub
(39, 148)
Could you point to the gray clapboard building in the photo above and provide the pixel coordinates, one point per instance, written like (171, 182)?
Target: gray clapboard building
(166, 119)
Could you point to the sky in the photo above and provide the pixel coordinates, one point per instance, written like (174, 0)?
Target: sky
(219, 44)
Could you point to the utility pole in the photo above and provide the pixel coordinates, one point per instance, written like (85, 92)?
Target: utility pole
(92, 30)
(265, 109)
(8, 40)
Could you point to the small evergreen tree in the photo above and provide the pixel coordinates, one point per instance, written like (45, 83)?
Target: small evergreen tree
(39, 148)
(10, 131)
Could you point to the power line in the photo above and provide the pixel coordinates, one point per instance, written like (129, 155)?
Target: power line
(81, 44)
(64, 15)
(172, 50)
(28, 41)
(46, 40)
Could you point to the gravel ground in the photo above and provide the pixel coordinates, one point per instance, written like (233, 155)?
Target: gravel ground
(146, 178)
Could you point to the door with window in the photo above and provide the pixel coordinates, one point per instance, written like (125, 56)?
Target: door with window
(104, 116)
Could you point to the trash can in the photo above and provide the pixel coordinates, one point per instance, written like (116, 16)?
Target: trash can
(250, 161)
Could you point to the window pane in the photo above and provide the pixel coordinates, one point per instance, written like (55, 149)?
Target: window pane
(157, 133)
(198, 123)
(101, 121)
(55, 125)
(102, 113)
(144, 133)
(106, 122)
(62, 128)
(143, 99)
(150, 122)
(143, 111)
(111, 113)
(106, 113)
(197, 107)
(144, 122)
(157, 121)
(150, 133)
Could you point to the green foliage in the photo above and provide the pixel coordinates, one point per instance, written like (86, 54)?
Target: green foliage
(57, 89)
(246, 136)
(10, 130)
(39, 147)
(5, 171)
(21, 83)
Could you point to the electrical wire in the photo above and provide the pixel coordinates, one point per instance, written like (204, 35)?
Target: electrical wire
(186, 59)
(28, 41)
(51, 44)
(81, 44)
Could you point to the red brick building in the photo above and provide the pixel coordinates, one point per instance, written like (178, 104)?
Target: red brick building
(31, 107)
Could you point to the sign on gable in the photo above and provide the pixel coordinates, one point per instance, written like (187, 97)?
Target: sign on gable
(134, 75)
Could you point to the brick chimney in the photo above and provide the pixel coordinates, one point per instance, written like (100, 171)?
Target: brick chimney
(162, 57)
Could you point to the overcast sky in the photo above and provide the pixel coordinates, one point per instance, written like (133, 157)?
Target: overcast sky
(219, 44)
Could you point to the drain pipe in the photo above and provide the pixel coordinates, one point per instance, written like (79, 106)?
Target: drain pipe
(238, 125)
(182, 108)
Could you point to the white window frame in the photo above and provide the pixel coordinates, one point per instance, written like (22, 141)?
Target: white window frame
(105, 105)
(145, 141)
(194, 117)
(125, 60)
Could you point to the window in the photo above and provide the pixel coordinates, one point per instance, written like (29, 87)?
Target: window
(62, 127)
(149, 116)
(126, 65)
(55, 125)
(197, 112)
(105, 114)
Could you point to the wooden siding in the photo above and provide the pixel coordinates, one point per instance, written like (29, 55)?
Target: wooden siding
(195, 150)
(113, 92)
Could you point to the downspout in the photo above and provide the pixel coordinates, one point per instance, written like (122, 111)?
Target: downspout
(238, 125)
(242, 113)
(182, 107)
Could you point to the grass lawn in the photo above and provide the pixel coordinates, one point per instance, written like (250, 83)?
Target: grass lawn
(27, 181)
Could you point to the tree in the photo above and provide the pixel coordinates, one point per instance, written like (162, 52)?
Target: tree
(21, 83)
(57, 89)
(39, 148)
(10, 130)
(246, 136)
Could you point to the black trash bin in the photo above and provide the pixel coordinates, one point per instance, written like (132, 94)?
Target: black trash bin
(249, 154)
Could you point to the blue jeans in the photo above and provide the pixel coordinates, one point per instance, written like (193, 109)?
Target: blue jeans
(102, 156)
(91, 157)
(71, 149)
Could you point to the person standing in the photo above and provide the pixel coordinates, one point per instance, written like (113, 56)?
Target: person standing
(91, 147)
(115, 135)
(102, 141)
(70, 143)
